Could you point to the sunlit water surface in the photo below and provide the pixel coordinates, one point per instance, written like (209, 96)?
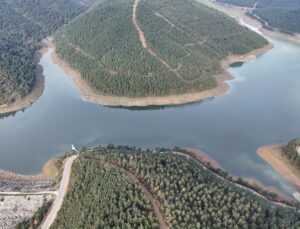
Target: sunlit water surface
(262, 107)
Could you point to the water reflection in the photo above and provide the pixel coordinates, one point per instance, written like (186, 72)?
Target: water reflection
(262, 107)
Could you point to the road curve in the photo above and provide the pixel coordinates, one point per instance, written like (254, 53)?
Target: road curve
(151, 198)
(63, 188)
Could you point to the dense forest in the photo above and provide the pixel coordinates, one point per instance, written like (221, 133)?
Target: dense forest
(189, 196)
(281, 14)
(190, 38)
(23, 24)
(101, 196)
(290, 151)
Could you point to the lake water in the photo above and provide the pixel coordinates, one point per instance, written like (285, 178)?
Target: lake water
(262, 107)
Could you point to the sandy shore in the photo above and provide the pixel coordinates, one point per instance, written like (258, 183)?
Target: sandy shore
(36, 92)
(90, 95)
(273, 155)
(203, 157)
(238, 13)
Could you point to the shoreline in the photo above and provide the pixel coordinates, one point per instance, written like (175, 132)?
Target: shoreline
(196, 153)
(239, 14)
(90, 95)
(37, 90)
(200, 155)
(272, 154)
(44, 174)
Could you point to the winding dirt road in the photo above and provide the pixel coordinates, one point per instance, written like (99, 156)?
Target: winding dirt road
(137, 26)
(63, 188)
(145, 45)
(154, 202)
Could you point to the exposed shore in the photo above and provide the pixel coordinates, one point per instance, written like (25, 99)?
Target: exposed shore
(90, 95)
(273, 155)
(36, 92)
(206, 159)
(239, 14)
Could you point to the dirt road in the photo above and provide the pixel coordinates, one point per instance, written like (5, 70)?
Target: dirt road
(154, 202)
(28, 193)
(63, 188)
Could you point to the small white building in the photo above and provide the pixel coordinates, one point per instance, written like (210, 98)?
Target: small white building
(298, 149)
(74, 149)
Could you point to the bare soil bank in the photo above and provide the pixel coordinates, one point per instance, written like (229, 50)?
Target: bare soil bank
(203, 157)
(273, 155)
(90, 95)
(36, 92)
(15, 182)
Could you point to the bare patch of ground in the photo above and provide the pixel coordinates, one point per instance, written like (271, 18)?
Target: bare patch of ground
(50, 169)
(10, 182)
(18, 209)
(21, 196)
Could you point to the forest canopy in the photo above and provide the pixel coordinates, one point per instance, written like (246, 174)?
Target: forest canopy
(189, 196)
(189, 41)
(23, 24)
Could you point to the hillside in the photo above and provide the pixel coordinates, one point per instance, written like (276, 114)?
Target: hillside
(23, 24)
(281, 14)
(290, 151)
(188, 195)
(152, 48)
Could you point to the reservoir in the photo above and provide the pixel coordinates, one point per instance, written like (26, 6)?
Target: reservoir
(262, 107)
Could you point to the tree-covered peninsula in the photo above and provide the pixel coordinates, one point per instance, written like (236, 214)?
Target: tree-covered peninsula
(152, 48)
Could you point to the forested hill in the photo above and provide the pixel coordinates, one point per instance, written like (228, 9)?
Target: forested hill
(185, 43)
(23, 23)
(102, 194)
(281, 14)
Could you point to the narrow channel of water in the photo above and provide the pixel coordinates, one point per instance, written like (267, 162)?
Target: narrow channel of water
(262, 107)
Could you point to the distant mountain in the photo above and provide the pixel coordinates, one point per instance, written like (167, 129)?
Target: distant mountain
(281, 14)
